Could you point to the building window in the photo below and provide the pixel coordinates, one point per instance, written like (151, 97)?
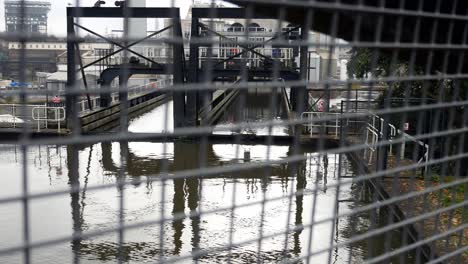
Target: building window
(254, 27)
(236, 27)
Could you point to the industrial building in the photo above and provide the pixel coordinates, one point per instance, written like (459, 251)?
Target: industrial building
(226, 32)
(45, 56)
(33, 18)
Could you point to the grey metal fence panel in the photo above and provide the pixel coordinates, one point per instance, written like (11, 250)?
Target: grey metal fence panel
(265, 131)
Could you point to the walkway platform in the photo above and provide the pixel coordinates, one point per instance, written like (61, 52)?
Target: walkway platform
(100, 117)
(14, 133)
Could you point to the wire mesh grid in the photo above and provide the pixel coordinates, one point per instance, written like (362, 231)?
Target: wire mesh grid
(268, 131)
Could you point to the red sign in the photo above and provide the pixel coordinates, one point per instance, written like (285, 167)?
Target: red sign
(406, 126)
(321, 106)
(55, 100)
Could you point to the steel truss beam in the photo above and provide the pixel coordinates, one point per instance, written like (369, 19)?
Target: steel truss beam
(228, 12)
(176, 68)
(123, 47)
(252, 49)
(193, 104)
(131, 12)
(245, 47)
(127, 47)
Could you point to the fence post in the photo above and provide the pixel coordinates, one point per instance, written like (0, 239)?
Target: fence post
(382, 151)
(311, 125)
(38, 121)
(57, 117)
(366, 142)
(46, 117)
(336, 126)
(403, 144)
(14, 115)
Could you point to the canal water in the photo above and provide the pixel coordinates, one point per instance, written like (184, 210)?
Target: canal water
(252, 108)
(148, 199)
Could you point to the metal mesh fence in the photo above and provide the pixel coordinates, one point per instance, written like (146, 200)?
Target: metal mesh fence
(261, 131)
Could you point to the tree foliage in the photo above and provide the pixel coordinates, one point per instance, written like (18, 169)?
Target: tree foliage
(404, 80)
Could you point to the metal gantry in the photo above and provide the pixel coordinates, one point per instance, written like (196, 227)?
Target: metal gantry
(127, 69)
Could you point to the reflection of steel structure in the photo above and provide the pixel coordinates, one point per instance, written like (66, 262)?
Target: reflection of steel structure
(33, 17)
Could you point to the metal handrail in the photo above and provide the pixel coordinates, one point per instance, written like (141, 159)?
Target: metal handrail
(17, 120)
(59, 115)
(310, 116)
(394, 132)
(371, 146)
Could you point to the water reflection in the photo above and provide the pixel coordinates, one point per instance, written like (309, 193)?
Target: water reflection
(182, 199)
(254, 107)
(93, 210)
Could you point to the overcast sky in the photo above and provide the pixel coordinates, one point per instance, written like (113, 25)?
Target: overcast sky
(57, 16)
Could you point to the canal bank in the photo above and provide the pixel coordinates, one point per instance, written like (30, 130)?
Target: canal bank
(391, 213)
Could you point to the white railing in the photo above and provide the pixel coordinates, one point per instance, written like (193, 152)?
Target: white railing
(8, 115)
(321, 120)
(372, 137)
(374, 131)
(15, 115)
(41, 114)
(19, 115)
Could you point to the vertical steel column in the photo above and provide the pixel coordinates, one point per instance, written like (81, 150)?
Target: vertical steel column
(303, 95)
(192, 96)
(70, 99)
(123, 81)
(382, 151)
(178, 75)
(105, 98)
(299, 95)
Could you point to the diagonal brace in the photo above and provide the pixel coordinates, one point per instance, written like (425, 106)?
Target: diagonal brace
(122, 46)
(129, 46)
(242, 46)
(255, 46)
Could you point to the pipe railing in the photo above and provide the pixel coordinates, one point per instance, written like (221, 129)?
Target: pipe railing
(41, 114)
(316, 120)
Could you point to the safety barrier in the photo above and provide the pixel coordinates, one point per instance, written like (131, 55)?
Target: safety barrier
(321, 120)
(41, 114)
(375, 132)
